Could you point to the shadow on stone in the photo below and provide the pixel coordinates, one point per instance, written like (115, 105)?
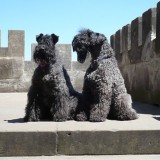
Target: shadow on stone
(18, 120)
(142, 108)
(157, 118)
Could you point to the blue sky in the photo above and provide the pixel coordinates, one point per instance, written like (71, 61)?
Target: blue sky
(66, 17)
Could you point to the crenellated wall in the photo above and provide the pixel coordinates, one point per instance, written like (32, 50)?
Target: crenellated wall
(16, 74)
(137, 48)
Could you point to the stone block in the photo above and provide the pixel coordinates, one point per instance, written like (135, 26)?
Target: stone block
(125, 42)
(108, 142)
(149, 24)
(33, 45)
(27, 143)
(129, 37)
(112, 41)
(11, 68)
(135, 52)
(158, 29)
(77, 78)
(3, 52)
(118, 52)
(65, 53)
(16, 43)
(76, 66)
(0, 38)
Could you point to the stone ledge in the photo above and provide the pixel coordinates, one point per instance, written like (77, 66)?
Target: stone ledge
(139, 136)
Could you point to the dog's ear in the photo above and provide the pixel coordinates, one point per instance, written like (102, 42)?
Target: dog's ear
(97, 38)
(54, 38)
(38, 37)
(89, 32)
(101, 37)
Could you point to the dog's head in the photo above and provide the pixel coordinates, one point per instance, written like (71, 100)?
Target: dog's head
(45, 50)
(85, 41)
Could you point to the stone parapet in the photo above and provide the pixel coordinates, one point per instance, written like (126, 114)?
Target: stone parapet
(11, 68)
(15, 43)
(75, 138)
(136, 47)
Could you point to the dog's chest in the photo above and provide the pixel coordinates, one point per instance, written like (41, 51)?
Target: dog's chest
(95, 73)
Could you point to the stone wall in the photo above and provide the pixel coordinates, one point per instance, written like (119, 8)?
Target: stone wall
(12, 63)
(137, 48)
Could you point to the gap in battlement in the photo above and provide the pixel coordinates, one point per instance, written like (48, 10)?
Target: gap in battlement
(4, 38)
(73, 56)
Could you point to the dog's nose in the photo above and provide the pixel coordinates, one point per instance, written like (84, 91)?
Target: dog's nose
(42, 48)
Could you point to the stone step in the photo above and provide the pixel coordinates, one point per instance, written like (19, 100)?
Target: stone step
(141, 136)
(101, 157)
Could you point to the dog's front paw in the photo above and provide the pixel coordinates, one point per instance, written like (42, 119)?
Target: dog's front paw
(30, 119)
(81, 117)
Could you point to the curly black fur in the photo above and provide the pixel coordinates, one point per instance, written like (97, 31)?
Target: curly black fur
(51, 96)
(104, 94)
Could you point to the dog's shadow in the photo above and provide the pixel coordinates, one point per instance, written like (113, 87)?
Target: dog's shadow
(18, 120)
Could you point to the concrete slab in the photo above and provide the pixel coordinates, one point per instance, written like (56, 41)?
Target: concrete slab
(12, 110)
(141, 136)
(104, 157)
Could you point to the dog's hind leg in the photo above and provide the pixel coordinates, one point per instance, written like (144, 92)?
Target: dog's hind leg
(122, 108)
(32, 112)
(99, 111)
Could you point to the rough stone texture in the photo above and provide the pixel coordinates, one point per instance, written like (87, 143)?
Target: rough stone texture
(77, 79)
(149, 24)
(0, 38)
(27, 143)
(142, 81)
(3, 52)
(158, 29)
(112, 41)
(135, 52)
(65, 53)
(73, 138)
(88, 157)
(129, 37)
(137, 47)
(106, 142)
(33, 45)
(11, 68)
(140, 62)
(15, 43)
(118, 52)
(125, 43)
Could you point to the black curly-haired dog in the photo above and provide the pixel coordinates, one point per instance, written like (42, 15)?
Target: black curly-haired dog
(51, 96)
(104, 93)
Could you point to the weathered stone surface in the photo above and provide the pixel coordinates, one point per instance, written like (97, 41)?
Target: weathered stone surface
(106, 142)
(158, 29)
(49, 138)
(118, 52)
(33, 45)
(15, 43)
(65, 53)
(142, 81)
(0, 38)
(135, 52)
(149, 24)
(3, 52)
(11, 68)
(125, 43)
(14, 85)
(77, 78)
(112, 41)
(27, 143)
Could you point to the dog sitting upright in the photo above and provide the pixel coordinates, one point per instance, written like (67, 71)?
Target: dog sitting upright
(104, 94)
(51, 96)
